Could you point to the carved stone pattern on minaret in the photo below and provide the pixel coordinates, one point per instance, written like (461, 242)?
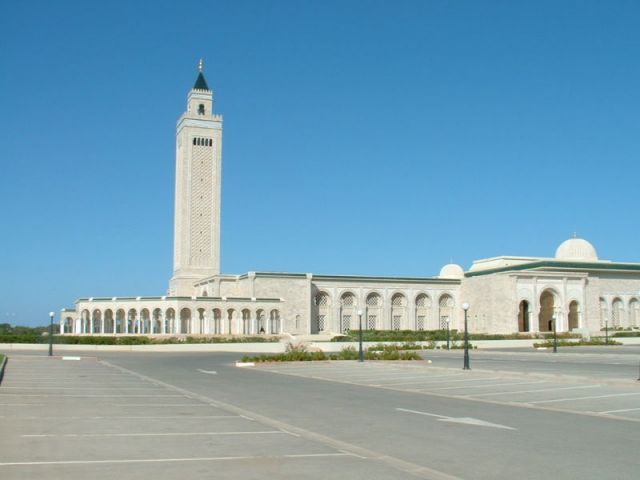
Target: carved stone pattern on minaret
(201, 205)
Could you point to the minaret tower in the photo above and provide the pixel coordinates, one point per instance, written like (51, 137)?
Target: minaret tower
(196, 252)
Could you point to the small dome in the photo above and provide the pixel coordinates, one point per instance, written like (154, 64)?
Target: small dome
(576, 249)
(452, 270)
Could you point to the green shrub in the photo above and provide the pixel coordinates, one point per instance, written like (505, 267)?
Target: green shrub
(565, 343)
(627, 334)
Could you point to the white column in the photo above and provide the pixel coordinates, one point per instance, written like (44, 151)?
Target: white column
(91, 324)
(62, 322)
(126, 322)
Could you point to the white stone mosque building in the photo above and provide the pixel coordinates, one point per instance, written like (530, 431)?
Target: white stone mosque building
(506, 294)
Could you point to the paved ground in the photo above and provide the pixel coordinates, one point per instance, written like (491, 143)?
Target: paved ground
(199, 416)
(604, 363)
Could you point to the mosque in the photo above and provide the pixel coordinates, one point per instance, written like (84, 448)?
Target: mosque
(506, 294)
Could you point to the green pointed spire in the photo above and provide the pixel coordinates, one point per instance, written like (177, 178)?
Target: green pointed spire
(201, 83)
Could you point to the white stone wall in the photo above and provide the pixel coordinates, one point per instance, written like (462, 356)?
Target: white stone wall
(621, 289)
(361, 288)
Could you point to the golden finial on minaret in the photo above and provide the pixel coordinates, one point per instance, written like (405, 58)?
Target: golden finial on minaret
(201, 65)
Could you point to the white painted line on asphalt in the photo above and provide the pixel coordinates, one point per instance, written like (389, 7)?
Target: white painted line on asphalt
(622, 410)
(491, 385)
(245, 364)
(173, 460)
(127, 417)
(210, 372)
(536, 391)
(426, 414)
(153, 405)
(463, 420)
(48, 395)
(71, 358)
(425, 379)
(52, 387)
(455, 381)
(587, 398)
(159, 434)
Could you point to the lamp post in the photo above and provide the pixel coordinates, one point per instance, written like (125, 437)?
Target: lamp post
(606, 332)
(555, 336)
(360, 351)
(465, 307)
(51, 315)
(448, 334)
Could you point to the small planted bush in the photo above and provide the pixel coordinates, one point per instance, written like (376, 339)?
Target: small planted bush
(565, 343)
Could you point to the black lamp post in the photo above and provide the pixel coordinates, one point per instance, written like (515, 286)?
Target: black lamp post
(606, 332)
(360, 351)
(448, 334)
(465, 307)
(51, 315)
(555, 336)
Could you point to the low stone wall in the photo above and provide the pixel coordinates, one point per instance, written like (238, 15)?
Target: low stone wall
(329, 347)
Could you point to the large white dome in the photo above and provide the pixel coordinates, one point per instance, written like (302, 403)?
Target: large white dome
(576, 249)
(452, 270)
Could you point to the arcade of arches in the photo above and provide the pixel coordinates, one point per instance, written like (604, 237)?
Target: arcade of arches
(171, 321)
(397, 313)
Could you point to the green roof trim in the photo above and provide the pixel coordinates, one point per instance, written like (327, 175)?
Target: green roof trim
(201, 83)
(558, 265)
(362, 278)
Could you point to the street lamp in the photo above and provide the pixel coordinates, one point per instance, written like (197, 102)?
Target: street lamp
(465, 307)
(606, 332)
(448, 336)
(360, 351)
(51, 315)
(555, 335)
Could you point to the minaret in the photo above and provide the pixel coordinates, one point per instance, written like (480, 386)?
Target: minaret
(196, 252)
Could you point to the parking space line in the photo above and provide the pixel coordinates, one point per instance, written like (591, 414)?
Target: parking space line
(425, 380)
(102, 386)
(157, 434)
(621, 410)
(49, 395)
(127, 417)
(152, 405)
(454, 381)
(491, 385)
(537, 390)
(586, 398)
(174, 460)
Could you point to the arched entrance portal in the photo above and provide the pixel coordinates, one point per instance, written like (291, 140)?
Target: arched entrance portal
(523, 316)
(574, 321)
(547, 308)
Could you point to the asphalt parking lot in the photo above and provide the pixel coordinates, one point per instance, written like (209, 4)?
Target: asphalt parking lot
(68, 419)
(574, 394)
(197, 415)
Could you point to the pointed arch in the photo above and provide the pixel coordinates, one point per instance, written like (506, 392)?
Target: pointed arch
(445, 310)
(398, 311)
(275, 321)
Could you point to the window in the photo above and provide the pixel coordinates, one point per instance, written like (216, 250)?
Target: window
(201, 109)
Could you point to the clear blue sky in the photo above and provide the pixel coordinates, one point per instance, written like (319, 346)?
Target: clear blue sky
(361, 137)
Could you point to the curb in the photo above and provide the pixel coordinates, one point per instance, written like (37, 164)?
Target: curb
(4, 363)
